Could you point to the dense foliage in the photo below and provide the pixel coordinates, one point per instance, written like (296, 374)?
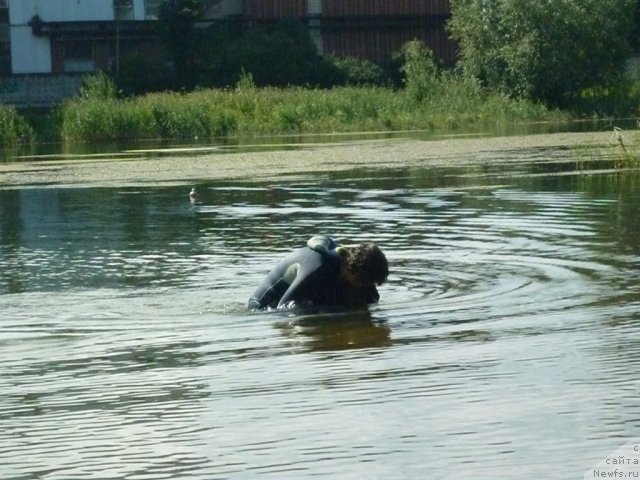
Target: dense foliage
(517, 58)
(276, 55)
(177, 20)
(551, 50)
(98, 86)
(280, 53)
(248, 110)
(14, 129)
(422, 76)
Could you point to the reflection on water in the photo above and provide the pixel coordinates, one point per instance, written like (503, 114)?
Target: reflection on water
(322, 331)
(166, 147)
(505, 343)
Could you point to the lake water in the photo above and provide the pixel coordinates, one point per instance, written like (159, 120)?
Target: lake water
(506, 343)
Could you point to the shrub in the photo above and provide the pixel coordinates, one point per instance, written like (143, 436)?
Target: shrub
(14, 129)
(355, 71)
(420, 68)
(278, 55)
(98, 86)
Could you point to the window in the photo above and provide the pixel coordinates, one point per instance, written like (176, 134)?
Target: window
(152, 9)
(124, 9)
(78, 57)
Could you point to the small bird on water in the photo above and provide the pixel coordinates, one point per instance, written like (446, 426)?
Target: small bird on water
(193, 195)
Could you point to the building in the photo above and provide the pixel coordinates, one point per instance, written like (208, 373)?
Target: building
(71, 36)
(50, 42)
(370, 29)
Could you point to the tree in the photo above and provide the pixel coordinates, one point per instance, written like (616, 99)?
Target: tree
(548, 50)
(177, 23)
(278, 54)
(420, 69)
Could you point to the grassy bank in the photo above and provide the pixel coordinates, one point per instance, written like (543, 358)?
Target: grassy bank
(431, 98)
(247, 110)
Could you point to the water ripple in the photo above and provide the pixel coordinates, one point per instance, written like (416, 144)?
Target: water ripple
(506, 338)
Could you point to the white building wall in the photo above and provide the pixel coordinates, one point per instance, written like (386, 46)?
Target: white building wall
(138, 10)
(22, 11)
(29, 54)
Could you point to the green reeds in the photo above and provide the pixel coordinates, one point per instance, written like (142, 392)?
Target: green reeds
(618, 153)
(247, 110)
(14, 129)
(624, 156)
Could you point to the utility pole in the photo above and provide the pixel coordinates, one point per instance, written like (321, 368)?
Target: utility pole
(116, 17)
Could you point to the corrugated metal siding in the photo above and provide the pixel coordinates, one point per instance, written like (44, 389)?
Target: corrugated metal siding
(273, 9)
(341, 8)
(371, 29)
(269, 9)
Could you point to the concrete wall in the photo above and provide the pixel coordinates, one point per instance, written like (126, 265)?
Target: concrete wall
(38, 90)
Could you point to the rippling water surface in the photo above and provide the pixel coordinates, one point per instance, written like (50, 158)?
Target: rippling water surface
(505, 345)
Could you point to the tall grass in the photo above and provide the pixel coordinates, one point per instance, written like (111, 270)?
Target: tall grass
(431, 98)
(618, 153)
(248, 110)
(14, 129)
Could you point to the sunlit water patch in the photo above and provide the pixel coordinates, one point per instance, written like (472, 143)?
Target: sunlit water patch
(505, 344)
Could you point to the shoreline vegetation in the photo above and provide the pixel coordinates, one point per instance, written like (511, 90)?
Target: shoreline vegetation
(14, 128)
(429, 98)
(217, 82)
(248, 111)
(98, 115)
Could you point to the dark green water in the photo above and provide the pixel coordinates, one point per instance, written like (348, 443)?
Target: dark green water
(506, 343)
